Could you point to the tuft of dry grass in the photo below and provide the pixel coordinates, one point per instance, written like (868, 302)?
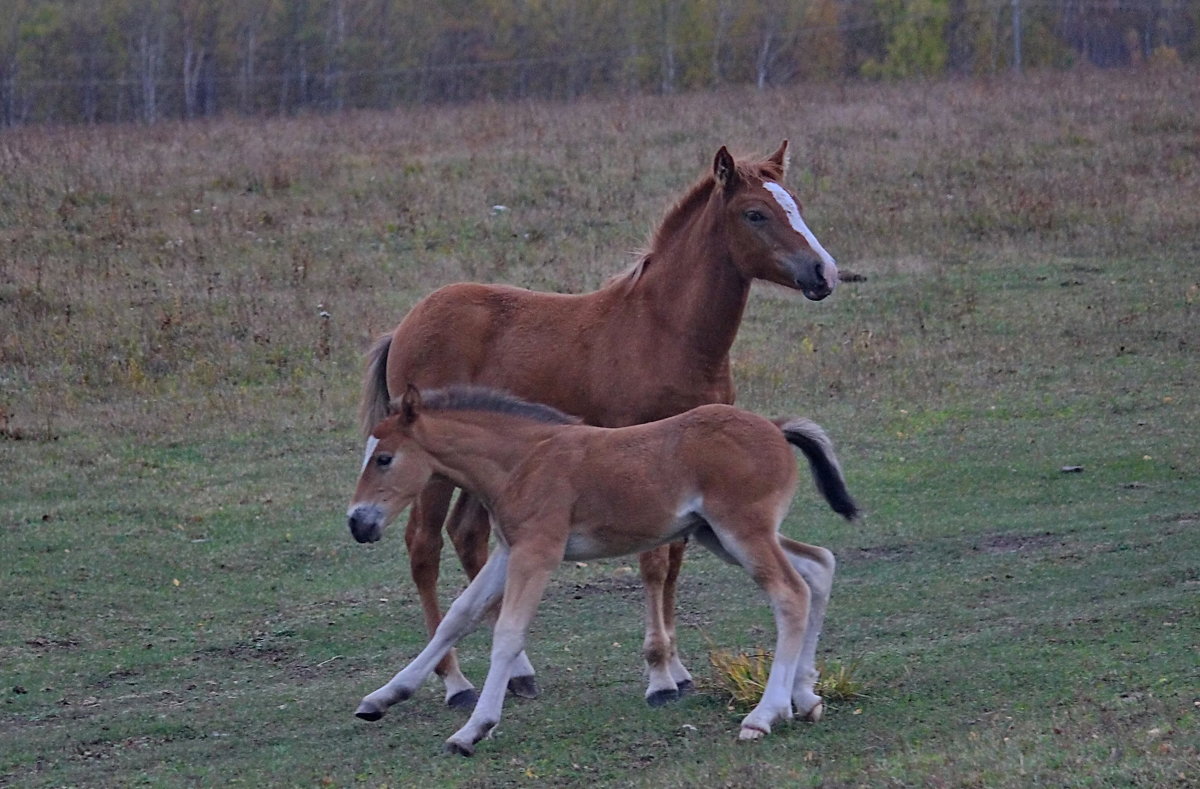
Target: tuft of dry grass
(742, 677)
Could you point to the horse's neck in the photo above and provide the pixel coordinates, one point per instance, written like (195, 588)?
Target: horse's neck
(696, 290)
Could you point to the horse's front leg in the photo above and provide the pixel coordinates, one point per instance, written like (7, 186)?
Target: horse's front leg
(529, 571)
(469, 528)
(465, 614)
(423, 536)
(668, 678)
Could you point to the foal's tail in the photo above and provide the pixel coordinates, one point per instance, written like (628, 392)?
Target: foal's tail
(810, 439)
(373, 406)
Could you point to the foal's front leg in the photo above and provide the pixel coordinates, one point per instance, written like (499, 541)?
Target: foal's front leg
(469, 528)
(529, 571)
(465, 614)
(423, 537)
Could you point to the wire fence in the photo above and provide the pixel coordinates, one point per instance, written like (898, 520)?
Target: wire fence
(164, 81)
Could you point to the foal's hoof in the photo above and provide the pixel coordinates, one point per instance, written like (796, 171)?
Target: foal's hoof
(660, 697)
(752, 733)
(686, 687)
(459, 748)
(526, 687)
(814, 715)
(463, 700)
(369, 711)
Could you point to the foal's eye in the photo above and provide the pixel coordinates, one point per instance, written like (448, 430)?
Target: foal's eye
(755, 217)
(383, 461)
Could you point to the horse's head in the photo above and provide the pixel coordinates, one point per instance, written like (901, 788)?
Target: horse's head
(394, 470)
(767, 236)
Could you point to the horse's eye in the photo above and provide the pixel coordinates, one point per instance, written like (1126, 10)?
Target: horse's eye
(383, 461)
(755, 217)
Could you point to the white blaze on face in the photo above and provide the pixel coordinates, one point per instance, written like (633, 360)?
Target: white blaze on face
(793, 214)
(372, 442)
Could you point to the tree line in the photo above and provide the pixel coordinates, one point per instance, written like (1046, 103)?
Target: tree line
(92, 61)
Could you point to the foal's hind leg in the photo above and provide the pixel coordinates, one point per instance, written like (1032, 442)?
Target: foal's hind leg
(816, 566)
(763, 558)
(469, 528)
(423, 537)
(668, 678)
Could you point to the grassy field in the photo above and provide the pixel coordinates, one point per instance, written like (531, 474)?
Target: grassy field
(183, 605)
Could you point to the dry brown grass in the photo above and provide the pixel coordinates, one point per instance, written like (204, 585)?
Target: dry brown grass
(153, 277)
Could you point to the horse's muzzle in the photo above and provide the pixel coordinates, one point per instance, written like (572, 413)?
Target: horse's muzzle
(815, 278)
(366, 523)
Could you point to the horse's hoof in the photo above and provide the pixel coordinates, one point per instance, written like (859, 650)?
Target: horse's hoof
(526, 687)
(458, 748)
(814, 715)
(369, 711)
(686, 687)
(463, 700)
(660, 697)
(750, 733)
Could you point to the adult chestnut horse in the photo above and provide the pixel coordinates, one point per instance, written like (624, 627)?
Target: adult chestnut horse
(651, 343)
(559, 490)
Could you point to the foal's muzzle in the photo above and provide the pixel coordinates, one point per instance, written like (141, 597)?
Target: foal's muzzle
(366, 522)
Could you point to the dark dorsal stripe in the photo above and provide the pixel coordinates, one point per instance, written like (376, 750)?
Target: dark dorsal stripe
(480, 398)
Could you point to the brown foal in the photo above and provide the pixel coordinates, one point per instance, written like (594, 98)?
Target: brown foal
(652, 343)
(559, 490)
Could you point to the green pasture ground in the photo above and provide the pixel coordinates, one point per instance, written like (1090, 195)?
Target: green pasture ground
(1010, 379)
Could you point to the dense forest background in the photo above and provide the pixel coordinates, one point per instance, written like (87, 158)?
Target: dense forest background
(97, 61)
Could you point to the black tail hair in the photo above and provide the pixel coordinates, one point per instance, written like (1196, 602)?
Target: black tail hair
(809, 438)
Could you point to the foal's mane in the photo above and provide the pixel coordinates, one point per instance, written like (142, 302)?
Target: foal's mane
(691, 202)
(482, 398)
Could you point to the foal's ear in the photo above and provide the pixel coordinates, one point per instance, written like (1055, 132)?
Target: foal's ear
(410, 404)
(780, 158)
(724, 170)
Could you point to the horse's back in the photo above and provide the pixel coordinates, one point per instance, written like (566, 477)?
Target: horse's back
(469, 332)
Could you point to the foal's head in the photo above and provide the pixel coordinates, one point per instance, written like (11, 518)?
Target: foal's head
(766, 235)
(397, 465)
(394, 470)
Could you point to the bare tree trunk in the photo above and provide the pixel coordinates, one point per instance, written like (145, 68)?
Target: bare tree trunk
(150, 54)
(720, 32)
(193, 62)
(763, 61)
(335, 42)
(670, 20)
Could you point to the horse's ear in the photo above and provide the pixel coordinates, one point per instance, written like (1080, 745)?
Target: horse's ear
(780, 158)
(724, 170)
(410, 404)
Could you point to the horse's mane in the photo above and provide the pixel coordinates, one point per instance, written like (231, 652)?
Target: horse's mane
(481, 398)
(687, 206)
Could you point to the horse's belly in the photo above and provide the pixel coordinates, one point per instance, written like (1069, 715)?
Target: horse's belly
(621, 538)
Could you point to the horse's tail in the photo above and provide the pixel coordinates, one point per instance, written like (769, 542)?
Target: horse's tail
(373, 406)
(809, 438)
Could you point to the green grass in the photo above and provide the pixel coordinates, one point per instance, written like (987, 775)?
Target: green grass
(182, 604)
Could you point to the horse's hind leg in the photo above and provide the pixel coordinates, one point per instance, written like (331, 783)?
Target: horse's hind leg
(668, 677)
(469, 528)
(679, 673)
(423, 537)
(816, 566)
